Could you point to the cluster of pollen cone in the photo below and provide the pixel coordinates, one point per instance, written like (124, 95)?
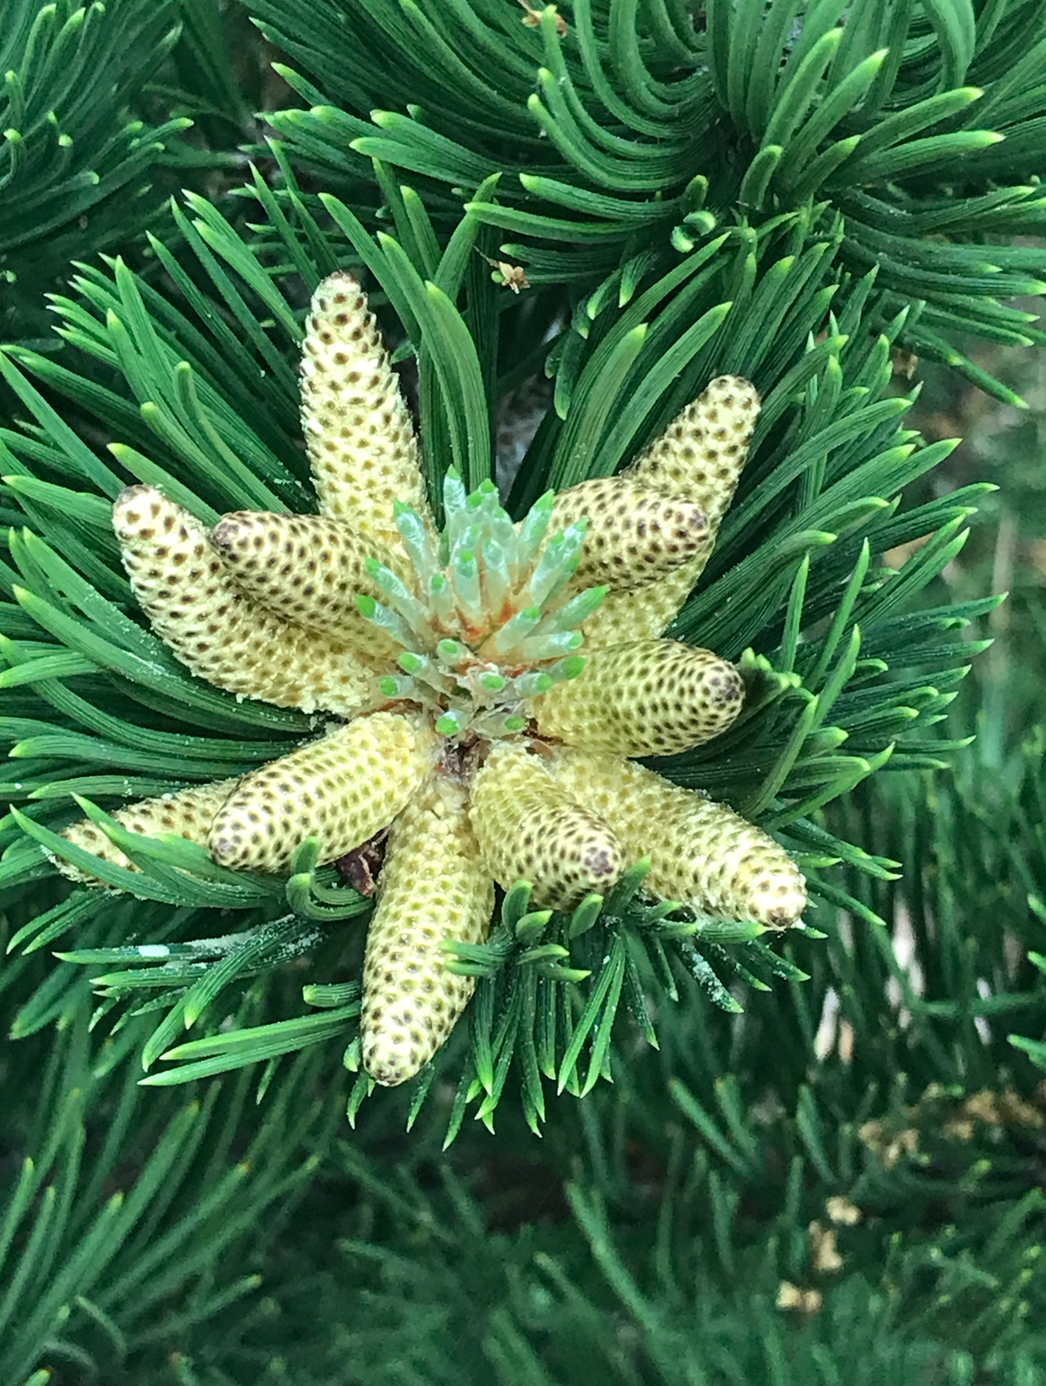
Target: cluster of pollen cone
(463, 721)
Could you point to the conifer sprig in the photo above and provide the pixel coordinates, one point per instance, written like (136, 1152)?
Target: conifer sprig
(840, 1185)
(204, 405)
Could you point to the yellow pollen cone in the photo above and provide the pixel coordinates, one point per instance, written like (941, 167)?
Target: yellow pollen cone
(699, 457)
(433, 888)
(701, 853)
(529, 829)
(308, 569)
(646, 698)
(634, 534)
(189, 814)
(702, 452)
(196, 607)
(341, 789)
(358, 431)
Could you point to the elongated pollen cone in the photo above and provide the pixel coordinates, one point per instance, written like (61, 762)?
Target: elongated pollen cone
(699, 458)
(188, 814)
(358, 432)
(528, 828)
(200, 612)
(646, 698)
(341, 789)
(308, 569)
(701, 853)
(433, 889)
(635, 534)
(702, 451)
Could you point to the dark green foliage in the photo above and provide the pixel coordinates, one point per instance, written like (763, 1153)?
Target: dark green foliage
(918, 125)
(116, 1202)
(96, 106)
(658, 1220)
(765, 191)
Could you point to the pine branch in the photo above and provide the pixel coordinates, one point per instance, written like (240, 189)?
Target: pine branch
(194, 414)
(95, 114)
(74, 165)
(839, 1184)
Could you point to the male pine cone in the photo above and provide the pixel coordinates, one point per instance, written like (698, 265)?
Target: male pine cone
(351, 613)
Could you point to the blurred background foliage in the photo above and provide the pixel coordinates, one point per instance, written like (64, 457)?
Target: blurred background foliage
(843, 1183)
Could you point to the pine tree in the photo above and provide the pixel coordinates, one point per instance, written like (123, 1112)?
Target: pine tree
(803, 1156)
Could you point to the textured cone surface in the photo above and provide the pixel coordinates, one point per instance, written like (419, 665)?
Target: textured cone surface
(699, 457)
(358, 432)
(528, 828)
(634, 534)
(341, 789)
(197, 608)
(433, 888)
(702, 451)
(646, 698)
(308, 569)
(701, 853)
(189, 813)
